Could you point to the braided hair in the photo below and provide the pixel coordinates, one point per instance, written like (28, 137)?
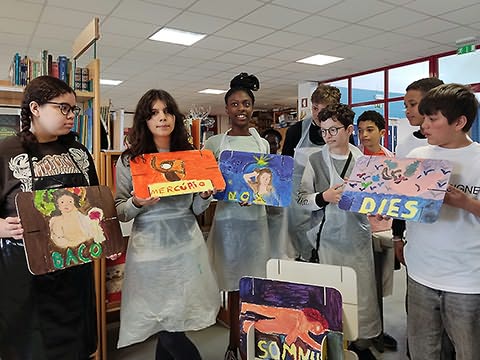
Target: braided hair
(243, 82)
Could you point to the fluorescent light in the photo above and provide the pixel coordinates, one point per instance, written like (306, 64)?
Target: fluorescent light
(212, 91)
(175, 36)
(319, 59)
(110, 82)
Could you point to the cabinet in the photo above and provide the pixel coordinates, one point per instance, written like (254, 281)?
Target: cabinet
(12, 96)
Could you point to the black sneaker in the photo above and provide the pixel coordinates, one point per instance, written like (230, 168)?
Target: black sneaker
(389, 342)
(363, 354)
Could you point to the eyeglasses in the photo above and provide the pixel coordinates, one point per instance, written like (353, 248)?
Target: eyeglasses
(332, 131)
(66, 108)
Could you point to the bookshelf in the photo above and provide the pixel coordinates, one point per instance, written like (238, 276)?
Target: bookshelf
(11, 96)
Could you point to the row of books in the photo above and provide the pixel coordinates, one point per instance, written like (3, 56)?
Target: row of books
(83, 125)
(24, 69)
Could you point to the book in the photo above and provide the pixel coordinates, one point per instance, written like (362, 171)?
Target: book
(9, 125)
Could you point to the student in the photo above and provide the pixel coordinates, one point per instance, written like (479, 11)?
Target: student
(414, 94)
(442, 258)
(48, 316)
(345, 237)
(169, 286)
(238, 239)
(274, 138)
(371, 129)
(301, 140)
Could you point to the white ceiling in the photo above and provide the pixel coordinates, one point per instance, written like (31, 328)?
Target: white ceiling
(260, 37)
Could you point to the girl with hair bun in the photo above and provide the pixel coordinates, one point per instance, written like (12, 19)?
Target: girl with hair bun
(238, 241)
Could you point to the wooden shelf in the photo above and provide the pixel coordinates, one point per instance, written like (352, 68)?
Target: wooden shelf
(13, 95)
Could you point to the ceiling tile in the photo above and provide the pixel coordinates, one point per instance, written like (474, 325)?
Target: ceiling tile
(57, 32)
(427, 27)
(157, 47)
(103, 7)
(199, 53)
(213, 42)
(288, 55)
(466, 16)
(214, 65)
(310, 6)
(179, 4)
(273, 16)
(119, 41)
(283, 39)
(232, 58)
(71, 18)
(352, 33)
(180, 61)
(19, 10)
(257, 50)
(398, 17)
(119, 26)
(434, 7)
(382, 40)
(242, 31)
(15, 26)
(317, 45)
(198, 23)
(354, 10)
(144, 12)
(225, 8)
(316, 26)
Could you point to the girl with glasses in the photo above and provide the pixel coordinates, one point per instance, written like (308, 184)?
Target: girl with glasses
(48, 316)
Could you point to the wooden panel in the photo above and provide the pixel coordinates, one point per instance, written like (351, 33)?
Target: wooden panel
(87, 37)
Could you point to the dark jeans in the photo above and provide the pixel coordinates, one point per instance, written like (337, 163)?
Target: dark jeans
(175, 346)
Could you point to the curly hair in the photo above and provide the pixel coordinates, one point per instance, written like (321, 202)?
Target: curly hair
(243, 82)
(41, 90)
(326, 95)
(141, 139)
(339, 112)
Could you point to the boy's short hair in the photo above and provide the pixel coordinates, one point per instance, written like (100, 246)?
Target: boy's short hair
(339, 112)
(453, 101)
(326, 95)
(424, 85)
(274, 133)
(373, 116)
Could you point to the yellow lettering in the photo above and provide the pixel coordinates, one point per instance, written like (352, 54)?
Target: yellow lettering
(244, 196)
(262, 346)
(393, 208)
(368, 206)
(291, 350)
(381, 208)
(232, 195)
(302, 355)
(274, 351)
(411, 206)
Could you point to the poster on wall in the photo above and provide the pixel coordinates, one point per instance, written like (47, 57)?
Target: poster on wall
(175, 173)
(254, 178)
(408, 189)
(68, 227)
(291, 321)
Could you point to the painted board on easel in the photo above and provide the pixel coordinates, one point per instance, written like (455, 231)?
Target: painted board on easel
(68, 227)
(291, 320)
(175, 173)
(254, 178)
(408, 189)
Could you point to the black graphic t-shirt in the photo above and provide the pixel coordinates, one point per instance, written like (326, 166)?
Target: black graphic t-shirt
(52, 159)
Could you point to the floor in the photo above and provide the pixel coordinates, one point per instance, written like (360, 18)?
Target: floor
(212, 342)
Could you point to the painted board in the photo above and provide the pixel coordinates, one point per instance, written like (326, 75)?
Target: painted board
(254, 178)
(68, 227)
(408, 189)
(175, 173)
(292, 321)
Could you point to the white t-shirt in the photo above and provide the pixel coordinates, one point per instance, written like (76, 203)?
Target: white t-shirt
(407, 144)
(445, 255)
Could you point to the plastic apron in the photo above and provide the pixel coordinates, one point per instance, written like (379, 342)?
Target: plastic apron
(300, 221)
(238, 240)
(346, 240)
(168, 284)
(49, 316)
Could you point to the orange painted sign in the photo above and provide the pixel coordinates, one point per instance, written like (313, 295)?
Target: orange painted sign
(175, 173)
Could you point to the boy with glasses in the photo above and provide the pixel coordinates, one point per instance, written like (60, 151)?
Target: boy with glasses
(344, 237)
